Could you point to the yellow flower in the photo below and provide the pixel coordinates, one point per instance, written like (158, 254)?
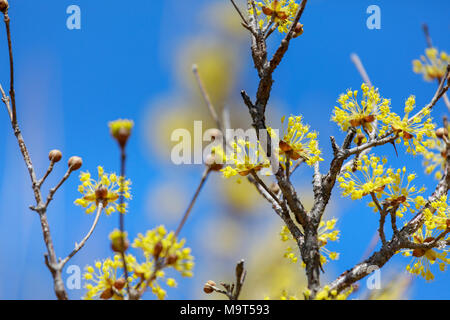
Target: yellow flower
(374, 178)
(161, 244)
(326, 233)
(326, 294)
(414, 132)
(435, 155)
(161, 251)
(119, 241)
(423, 260)
(433, 65)
(400, 192)
(282, 12)
(439, 217)
(298, 142)
(245, 158)
(121, 130)
(104, 280)
(106, 190)
(353, 114)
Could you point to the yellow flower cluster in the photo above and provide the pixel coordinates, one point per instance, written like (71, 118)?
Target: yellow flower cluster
(415, 131)
(162, 244)
(393, 187)
(436, 224)
(374, 179)
(121, 124)
(433, 65)
(160, 249)
(435, 155)
(281, 12)
(245, 158)
(400, 192)
(105, 190)
(423, 260)
(326, 294)
(297, 142)
(105, 280)
(326, 233)
(353, 114)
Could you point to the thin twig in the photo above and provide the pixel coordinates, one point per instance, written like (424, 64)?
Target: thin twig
(206, 97)
(49, 170)
(240, 13)
(79, 246)
(360, 67)
(261, 183)
(5, 100)
(194, 199)
(60, 183)
(12, 93)
(123, 158)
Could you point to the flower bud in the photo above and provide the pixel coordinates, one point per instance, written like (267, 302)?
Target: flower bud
(359, 139)
(4, 5)
(171, 259)
(119, 241)
(157, 249)
(121, 130)
(75, 163)
(209, 287)
(120, 283)
(274, 188)
(298, 30)
(54, 156)
(107, 294)
(267, 11)
(101, 192)
(441, 132)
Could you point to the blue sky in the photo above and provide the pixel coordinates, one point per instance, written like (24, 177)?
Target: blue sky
(70, 83)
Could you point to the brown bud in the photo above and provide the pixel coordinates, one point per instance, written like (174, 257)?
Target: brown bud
(209, 286)
(75, 163)
(267, 11)
(418, 253)
(122, 136)
(101, 192)
(117, 246)
(441, 132)
(107, 294)
(171, 259)
(274, 188)
(55, 155)
(298, 30)
(4, 5)
(359, 138)
(157, 250)
(120, 283)
(212, 162)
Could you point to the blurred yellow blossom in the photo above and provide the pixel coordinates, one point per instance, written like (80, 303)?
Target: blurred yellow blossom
(432, 65)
